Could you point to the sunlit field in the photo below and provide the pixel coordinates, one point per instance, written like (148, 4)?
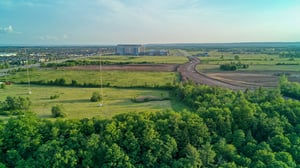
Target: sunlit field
(111, 78)
(77, 104)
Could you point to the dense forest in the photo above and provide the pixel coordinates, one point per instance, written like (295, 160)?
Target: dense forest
(223, 128)
(289, 89)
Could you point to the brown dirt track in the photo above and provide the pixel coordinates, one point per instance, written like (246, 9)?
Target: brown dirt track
(259, 78)
(131, 67)
(232, 80)
(188, 72)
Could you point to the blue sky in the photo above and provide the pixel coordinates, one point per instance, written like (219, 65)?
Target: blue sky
(56, 22)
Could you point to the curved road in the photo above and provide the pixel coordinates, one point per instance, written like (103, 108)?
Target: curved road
(188, 72)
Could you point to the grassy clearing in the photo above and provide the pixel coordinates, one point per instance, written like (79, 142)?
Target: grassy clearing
(113, 78)
(141, 59)
(77, 105)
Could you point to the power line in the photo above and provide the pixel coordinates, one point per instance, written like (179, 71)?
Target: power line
(28, 75)
(101, 81)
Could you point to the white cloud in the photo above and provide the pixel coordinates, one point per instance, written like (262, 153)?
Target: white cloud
(53, 38)
(8, 30)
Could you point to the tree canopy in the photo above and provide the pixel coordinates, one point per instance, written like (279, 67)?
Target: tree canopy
(223, 129)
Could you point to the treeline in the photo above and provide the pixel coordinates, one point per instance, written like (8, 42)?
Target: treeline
(283, 63)
(14, 105)
(233, 66)
(87, 62)
(75, 83)
(289, 89)
(225, 129)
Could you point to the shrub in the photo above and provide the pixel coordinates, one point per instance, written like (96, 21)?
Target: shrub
(228, 67)
(58, 111)
(233, 66)
(96, 97)
(54, 97)
(2, 86)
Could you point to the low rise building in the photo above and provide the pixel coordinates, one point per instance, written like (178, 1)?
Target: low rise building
(129, 49)
(157, 52)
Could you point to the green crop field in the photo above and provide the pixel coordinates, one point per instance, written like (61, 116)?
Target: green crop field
(111, 78)
(77, 104)
(143, 59)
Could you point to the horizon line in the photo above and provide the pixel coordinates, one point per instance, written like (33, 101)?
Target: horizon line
(167, 43)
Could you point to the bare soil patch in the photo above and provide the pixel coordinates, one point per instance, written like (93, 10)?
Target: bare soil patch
(239, 80)
(132, 67)
(254, 79)
(264, 79)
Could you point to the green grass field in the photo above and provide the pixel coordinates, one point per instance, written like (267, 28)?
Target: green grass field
(113, 78)
(141, 59)
(77, 105)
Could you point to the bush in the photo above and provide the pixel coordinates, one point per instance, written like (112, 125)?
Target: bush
(58, 111)
(228, 67)
(233, 66)
(96, 97)
(54, 97)
(2, 86)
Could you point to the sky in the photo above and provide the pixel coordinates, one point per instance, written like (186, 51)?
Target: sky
(106, 22)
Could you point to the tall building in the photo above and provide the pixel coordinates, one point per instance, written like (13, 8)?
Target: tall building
(130, 49)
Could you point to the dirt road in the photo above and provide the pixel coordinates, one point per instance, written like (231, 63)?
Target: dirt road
(188, 72)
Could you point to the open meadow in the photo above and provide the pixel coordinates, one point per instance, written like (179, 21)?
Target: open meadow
(77, 104)
(92, 78)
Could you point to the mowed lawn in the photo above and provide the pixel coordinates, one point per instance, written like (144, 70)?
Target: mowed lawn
(77, 104)
(111, 78)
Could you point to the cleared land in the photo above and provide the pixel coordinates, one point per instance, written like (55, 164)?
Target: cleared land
(76, 101)
(262, 70)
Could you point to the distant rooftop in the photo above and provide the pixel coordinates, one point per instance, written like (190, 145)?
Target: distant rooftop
(129, 45)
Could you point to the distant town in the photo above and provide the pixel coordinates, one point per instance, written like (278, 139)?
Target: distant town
(18, 55)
